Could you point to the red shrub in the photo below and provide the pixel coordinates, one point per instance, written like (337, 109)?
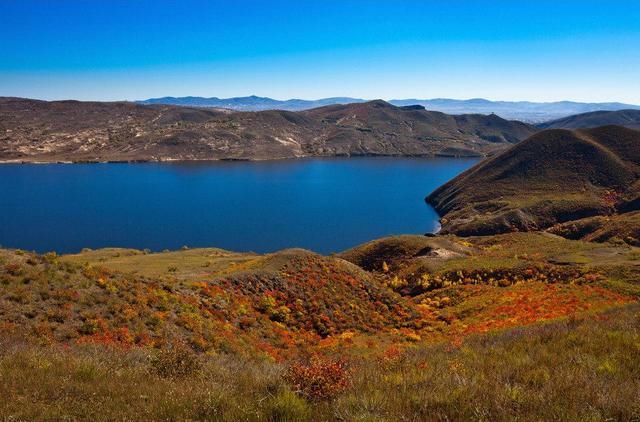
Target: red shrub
(320, 379)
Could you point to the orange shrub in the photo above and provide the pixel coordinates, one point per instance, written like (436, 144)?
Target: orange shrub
(320, 379)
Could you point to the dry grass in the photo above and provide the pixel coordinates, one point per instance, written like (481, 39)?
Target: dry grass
(576, 369)
(183, 264)
(297, 336)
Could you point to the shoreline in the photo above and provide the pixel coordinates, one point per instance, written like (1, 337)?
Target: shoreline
(231, 159)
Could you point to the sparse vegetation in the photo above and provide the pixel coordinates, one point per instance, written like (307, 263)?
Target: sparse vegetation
(93, 131)
(574, 369)
(555, 176)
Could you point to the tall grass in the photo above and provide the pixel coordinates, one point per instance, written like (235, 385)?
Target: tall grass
(576, 369)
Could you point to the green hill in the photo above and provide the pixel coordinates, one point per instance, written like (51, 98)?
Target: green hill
(553, 177)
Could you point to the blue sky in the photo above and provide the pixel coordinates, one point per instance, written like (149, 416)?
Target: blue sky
(539, 50)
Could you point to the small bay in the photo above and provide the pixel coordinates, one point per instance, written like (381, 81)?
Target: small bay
(326, 205)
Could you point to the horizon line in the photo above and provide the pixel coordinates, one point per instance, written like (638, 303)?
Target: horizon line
(323, 98)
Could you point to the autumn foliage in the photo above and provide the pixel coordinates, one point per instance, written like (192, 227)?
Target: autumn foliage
(319, 379)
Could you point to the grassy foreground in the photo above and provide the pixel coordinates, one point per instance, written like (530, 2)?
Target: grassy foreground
(517, 326)
(573, 369)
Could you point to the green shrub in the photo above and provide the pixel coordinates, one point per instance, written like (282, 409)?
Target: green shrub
(287, 406)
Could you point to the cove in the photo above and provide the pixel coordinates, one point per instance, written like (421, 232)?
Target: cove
(326, 205)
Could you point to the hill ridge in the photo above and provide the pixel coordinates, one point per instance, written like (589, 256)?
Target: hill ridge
(552, 177)
(122, 131)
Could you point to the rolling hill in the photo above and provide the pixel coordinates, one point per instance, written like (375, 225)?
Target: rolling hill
(553, 177)
(626, 118)
(33, 130)
(207, 334)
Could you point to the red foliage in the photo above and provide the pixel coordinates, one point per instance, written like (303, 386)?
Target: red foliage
(528, 305)
(611, 198)
(120, 337)
(391, 355)
(320, 379)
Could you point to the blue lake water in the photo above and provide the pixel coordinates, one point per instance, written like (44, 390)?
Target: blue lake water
(326, 205)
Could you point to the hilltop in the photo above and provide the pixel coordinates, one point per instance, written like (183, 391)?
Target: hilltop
(553, 177)
(91, 131)
(626, 118)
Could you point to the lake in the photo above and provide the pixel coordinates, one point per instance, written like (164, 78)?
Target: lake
(326, 205)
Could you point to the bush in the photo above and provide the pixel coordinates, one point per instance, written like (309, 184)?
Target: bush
(287, 406)
(176, 361)
(320, 379)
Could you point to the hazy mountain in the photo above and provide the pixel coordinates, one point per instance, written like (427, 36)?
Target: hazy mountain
(513, 110)
(525, 111)
(74, 131)
(626, 118)
(251, 103)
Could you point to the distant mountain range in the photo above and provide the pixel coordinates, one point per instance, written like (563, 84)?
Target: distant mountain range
(526, 111)
(251, 103)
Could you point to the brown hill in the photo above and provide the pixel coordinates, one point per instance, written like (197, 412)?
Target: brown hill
(553, 177)
(378, 127)
(626, 118)
(33, 130)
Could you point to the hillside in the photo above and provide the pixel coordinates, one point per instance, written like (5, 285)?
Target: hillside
(621, 228)
(213, 300)
(88, 131)
(400, 290)
(419, 325)
(553, 177)
(378, 126)
(626, 118)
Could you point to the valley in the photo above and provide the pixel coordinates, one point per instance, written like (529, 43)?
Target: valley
(531, 285)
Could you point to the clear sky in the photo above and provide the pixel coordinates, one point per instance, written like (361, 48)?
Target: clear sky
(540, 50)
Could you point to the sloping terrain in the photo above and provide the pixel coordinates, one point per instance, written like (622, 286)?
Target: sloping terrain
(611, 228)
(213, 300)
(398, 290)
(626, 118)
(88, 131)
(553, 177)
(526, 373)
(407, 327)
(378, 126)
